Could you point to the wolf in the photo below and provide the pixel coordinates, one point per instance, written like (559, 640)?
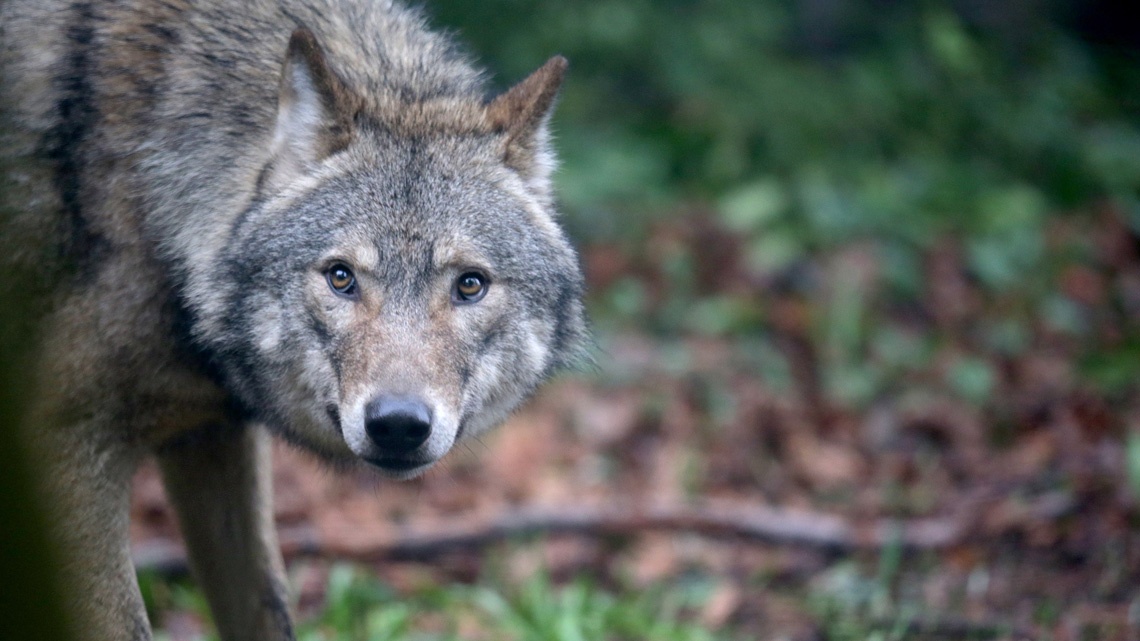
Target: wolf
(310, 215)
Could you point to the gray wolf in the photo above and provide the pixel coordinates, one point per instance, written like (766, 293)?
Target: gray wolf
(307, 214)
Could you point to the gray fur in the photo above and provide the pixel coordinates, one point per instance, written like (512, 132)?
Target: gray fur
(176, 180)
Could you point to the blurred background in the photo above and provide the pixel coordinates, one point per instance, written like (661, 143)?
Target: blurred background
(865, 283)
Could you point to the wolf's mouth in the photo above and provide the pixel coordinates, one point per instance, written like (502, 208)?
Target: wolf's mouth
(397, 464)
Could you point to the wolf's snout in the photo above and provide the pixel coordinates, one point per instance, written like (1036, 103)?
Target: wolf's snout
(397, 425)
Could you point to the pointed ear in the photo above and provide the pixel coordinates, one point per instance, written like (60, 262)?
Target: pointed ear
(314, 112)
(522, 115)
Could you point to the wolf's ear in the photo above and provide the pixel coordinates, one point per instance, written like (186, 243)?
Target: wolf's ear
(314, 111)
(522, 115)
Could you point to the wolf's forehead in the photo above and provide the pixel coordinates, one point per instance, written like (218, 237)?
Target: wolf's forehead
(409, 240)
(420, 160)
(419, 208)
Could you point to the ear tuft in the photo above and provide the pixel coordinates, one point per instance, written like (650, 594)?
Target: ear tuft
(314, 110)
(522, 114)
(524, 107)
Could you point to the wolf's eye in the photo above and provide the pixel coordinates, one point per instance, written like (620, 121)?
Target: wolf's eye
(341, 280)
(469, 288)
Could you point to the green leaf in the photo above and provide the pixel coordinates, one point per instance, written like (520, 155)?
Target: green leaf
(751, 207)
(1133, 460)
(973, 379)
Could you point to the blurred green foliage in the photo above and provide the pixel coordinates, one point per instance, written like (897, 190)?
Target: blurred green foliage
(360, 607)
(852, 606)
(725, 151)
(913, 124)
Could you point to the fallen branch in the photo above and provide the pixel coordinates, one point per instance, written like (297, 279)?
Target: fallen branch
(750, 523)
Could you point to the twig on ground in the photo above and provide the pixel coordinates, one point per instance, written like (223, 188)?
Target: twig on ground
(760, 524)
(744, 522)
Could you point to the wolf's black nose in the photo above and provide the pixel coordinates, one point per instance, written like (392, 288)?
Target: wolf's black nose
(397, 425)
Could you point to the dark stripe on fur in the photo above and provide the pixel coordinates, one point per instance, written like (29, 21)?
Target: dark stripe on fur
(167, 35)
(274, 601)
(141, 628)
(334, 415)
(490, 337)
(320, 330)
(567, 293)
(325, 338)
(64, 142)
(190, 350)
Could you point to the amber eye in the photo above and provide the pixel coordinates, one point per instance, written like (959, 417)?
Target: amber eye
(341, 280)
(469, 288)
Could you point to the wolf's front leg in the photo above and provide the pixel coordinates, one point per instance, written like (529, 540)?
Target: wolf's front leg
(219, 481)
(86, 478)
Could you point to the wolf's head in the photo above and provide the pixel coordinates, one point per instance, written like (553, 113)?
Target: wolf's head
(400, 281)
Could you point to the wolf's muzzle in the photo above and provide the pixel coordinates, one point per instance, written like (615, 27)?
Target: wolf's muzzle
(397, 425)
